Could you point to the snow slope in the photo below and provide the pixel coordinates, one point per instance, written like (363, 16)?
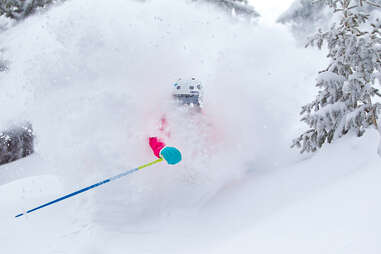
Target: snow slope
(94, 78)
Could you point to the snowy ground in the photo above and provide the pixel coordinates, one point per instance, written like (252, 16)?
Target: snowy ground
(95, 78)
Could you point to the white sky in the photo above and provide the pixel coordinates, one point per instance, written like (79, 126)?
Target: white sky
(270, 9)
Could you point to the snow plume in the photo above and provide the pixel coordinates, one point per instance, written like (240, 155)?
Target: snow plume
(94, 78)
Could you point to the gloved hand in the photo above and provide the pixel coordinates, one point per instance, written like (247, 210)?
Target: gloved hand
(171, 154)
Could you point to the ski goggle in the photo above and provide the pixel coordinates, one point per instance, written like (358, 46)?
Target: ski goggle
(188, 99)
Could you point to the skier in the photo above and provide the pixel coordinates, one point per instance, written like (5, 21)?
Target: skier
(186, 92)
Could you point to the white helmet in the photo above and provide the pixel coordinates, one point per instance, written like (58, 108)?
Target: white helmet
(188, 91)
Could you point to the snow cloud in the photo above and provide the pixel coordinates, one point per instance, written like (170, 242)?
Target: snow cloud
(94, 78)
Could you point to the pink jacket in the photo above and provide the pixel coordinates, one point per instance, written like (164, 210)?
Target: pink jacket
(156, 143)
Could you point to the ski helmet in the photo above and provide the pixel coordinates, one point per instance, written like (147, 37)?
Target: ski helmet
(189, 91)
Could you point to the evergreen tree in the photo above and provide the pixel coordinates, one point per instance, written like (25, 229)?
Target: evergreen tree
(19, 9)
(236, 7)
(305, 16)
(345, 102)
(16, 142)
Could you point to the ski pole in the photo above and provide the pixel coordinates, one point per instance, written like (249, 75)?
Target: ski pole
(90, 187)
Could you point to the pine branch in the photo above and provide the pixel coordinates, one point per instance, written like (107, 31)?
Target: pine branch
(325, 70)
(8, 13)
(373, 4)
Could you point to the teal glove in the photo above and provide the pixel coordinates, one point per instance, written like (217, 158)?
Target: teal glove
(171, 154)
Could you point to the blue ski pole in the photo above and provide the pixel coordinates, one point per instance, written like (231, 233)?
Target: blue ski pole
(90, 187)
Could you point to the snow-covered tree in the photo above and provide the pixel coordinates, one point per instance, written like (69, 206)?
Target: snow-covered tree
(347, 87)
(234, 7)
(304, 17)
(16, 142)
(19, 9)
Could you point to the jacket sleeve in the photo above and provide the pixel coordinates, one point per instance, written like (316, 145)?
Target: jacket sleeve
(156, 145)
